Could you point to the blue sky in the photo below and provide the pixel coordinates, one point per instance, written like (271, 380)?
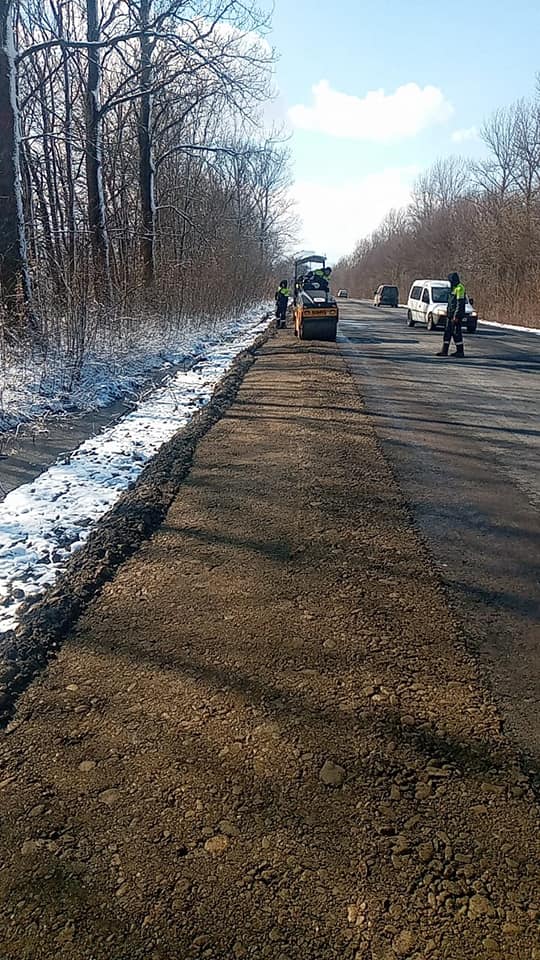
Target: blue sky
(359, 156)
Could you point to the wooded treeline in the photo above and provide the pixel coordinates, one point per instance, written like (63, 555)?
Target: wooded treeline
(481, 219)
(133, 169)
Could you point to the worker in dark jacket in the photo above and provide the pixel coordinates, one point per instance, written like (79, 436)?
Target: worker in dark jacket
(322, 276)
(282, 300)
(454, 316)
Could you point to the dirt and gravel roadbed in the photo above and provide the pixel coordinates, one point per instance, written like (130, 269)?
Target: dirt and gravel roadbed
(265, 737)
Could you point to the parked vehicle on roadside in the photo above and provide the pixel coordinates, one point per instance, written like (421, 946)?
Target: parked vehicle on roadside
(428, 303)
(343, 294)
(386, 296)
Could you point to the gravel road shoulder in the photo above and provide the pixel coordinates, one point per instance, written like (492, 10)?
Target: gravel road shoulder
(265, 737)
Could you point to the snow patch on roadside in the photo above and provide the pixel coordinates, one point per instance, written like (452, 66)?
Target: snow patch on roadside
(42, 523)
(510, 326)
(36, 387)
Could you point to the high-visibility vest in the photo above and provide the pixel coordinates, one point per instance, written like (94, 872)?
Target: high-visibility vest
(458, 294)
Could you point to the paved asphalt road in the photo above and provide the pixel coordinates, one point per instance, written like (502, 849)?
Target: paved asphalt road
(463, 438)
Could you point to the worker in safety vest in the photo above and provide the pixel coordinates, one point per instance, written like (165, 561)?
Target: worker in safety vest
(454, 316)
(282, 300)
(321, 278)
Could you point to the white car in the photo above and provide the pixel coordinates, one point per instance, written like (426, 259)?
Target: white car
(427, 304)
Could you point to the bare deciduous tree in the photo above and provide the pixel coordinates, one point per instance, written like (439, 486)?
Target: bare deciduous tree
(482, 219)
(139, 167)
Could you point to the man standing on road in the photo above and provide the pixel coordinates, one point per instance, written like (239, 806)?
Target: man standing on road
(282, 300)
(454, 316)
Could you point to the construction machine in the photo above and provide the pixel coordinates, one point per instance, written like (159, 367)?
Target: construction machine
(315, 310)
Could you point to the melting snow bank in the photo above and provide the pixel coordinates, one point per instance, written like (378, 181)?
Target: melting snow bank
(510, 326)
(37, 387)
(42, 523)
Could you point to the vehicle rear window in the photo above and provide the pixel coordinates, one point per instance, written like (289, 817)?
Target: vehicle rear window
(392, 290)
(440, 294)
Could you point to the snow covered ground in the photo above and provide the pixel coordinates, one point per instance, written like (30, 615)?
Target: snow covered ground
(43, 522)
(510, 326)
(114, 367)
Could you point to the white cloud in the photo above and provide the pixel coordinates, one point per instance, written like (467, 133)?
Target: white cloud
(336, 216)
(247, 41)
(465, 134)
(224, 34)
(378, 116)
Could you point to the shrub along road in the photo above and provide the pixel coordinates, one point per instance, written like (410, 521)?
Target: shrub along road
(258, 741)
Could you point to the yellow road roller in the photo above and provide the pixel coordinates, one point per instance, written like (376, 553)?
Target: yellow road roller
(315, 310)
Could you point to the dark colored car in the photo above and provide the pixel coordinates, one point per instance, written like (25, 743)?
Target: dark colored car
(386, 296)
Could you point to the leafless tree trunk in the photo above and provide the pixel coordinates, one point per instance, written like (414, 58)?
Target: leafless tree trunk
(146, 163)
(13, 263)
(68, 133)
(94, 157)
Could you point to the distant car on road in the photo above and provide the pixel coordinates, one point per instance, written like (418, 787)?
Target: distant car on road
(427, 303)
(343, 294)
(386, 296)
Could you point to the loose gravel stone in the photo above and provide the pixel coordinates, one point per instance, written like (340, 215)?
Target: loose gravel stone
(217, 844)
(426, 852)
(86, 766)
(110, 797)
(229, 829)
(405, 943)
(29, 848)
(480, 906)
(331, 774)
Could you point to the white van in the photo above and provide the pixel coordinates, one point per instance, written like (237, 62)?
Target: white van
(427, 304)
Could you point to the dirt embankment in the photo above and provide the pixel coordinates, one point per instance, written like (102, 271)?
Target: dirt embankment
(265, 738)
